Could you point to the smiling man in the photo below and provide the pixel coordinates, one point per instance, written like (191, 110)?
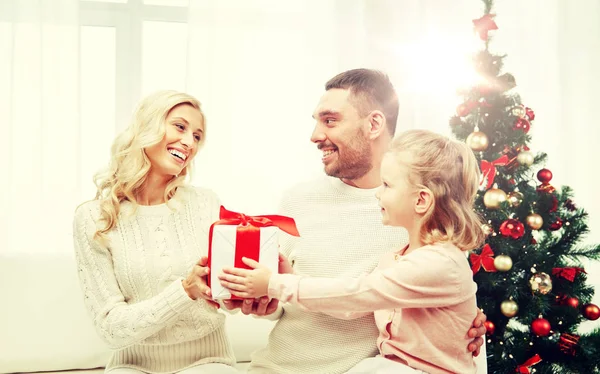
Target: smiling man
(341, 228)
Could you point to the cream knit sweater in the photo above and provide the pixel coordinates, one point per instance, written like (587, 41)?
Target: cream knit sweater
(132, 287)
(341, 235)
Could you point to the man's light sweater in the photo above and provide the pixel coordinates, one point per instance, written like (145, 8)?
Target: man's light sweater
(341, 235)
(132, 287)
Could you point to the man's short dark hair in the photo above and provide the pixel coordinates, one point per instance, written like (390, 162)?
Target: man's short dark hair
(371, 90)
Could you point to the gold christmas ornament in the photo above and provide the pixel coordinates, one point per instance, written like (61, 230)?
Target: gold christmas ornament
(519, 111)
(493, 198)
(515, 198)
(540, 283)
(487, 229)
(477, 141)
(509, 308)
(525, 158)
(503, 263)
(534, 221)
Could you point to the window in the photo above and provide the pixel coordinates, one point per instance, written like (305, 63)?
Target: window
(128, 49)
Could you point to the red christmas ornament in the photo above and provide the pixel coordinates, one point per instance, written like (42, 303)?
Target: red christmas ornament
(513, 228)
(462, 110)
(484, 24)
(533, 241)
(544, 176)
(591, 312)
(522, 124)
(568, 343)
(556, 225)
(540, 327)
(529, 113)
(572, 302)
(489, 327)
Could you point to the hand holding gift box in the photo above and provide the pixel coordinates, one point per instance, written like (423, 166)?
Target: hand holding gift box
(236, 235)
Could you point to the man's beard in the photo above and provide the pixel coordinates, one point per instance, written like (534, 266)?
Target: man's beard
(354, 162)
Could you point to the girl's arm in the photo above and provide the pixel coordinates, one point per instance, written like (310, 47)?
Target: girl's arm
(425, 278)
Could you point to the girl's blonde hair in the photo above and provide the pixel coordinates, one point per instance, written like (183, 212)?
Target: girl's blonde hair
(448, 169)
(129, 165)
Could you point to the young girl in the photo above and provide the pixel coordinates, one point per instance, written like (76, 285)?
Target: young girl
(423, 295)
(139, 247)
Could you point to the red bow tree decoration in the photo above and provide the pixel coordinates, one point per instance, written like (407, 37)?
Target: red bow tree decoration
(488, 170)
(524, 367)
(485, 260)
(567, 273)
(484, 24)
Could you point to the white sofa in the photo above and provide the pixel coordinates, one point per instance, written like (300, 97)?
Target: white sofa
(44, 325)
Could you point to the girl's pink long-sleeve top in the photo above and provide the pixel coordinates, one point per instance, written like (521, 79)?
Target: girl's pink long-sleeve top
(424, 304)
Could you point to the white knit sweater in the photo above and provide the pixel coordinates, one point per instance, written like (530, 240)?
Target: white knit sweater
(341, 234)
(132, 287)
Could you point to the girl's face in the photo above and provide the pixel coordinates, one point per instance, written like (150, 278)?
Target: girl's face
(397, 197)
(184, 131)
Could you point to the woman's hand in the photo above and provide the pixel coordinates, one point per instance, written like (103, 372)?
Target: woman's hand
(195, 284)
(245, 283)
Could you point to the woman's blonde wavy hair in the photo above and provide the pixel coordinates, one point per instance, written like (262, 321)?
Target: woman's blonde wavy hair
(449, 170)
(129, 165)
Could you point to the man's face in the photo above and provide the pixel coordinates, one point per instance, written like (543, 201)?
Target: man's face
(340, 133)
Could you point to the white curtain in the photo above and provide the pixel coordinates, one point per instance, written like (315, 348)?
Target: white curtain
(39, 123)
(259, 68)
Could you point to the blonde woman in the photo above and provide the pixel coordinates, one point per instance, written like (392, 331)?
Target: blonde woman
(423, 295)
(140, 245)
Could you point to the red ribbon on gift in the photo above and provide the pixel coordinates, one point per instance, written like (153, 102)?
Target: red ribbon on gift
(488, 169)
(485, 259)
(524, 368)
(567, 273)
(247, 239)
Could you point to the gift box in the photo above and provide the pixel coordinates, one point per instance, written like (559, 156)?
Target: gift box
(236, 235)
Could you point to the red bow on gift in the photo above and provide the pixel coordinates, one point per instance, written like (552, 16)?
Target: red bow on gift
(227, 217)
(488, 170)
(485, 259)
(567, 273)
(524, 368)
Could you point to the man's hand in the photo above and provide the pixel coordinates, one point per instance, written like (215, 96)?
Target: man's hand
(195, 284)
(476, 332)
(284, 265)
(261, 307)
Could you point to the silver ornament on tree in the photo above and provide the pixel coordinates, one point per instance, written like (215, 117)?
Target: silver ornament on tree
(525, 158)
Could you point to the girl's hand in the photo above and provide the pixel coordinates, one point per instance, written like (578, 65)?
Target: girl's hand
(247, 283)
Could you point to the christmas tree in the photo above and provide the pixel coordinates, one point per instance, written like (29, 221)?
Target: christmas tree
(531, 281)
